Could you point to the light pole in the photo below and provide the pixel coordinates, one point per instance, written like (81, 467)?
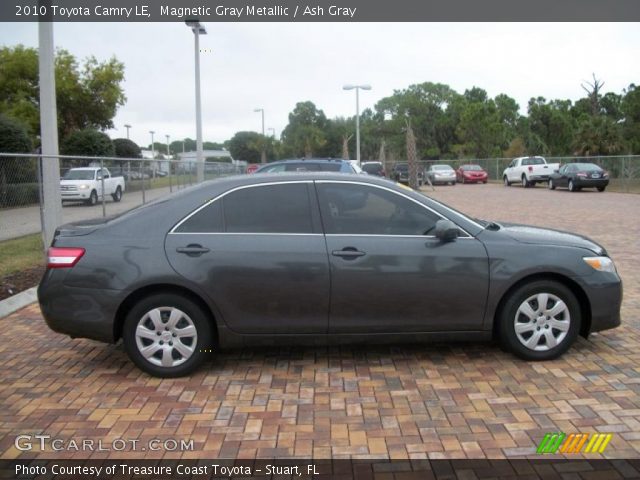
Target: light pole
(198, 30)
(263, 154)
(357, 89)
(153, 151)
(168, 152)
(127, 127)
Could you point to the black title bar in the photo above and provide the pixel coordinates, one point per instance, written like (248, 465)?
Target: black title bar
(320, 10)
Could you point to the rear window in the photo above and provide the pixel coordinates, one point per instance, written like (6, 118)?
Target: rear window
(372, 168)
(533, 161)
(313, 167)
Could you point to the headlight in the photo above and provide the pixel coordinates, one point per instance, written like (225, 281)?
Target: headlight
(602, 264)
(83, 187)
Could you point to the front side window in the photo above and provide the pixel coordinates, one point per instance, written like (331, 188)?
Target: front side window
(351, 209)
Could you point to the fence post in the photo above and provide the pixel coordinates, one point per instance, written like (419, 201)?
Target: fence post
(144, 200)
(170, 185)
(104, 208)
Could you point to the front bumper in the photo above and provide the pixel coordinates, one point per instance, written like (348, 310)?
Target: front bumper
(442, 179)
(80, 195)
(474, 179)
(78, 312)
(604, 291)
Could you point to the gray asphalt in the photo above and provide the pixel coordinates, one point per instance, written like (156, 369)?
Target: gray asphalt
(17, 222)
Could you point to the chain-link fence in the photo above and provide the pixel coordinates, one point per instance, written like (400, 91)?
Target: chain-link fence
(624, 171)
(126, 183)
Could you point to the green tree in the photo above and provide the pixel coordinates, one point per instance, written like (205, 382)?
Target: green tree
(552, 127)
(305, 132)
(125, 148)
(598, 135)
(245, 146)
(15, 139)
(88, 142)
(630, 106)
(87, 95)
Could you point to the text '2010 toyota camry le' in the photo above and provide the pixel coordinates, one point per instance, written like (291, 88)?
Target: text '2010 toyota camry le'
(319, 257)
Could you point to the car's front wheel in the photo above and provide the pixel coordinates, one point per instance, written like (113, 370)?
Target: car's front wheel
(601, 189)
(540, 320)
(167, 335)
(506, 181)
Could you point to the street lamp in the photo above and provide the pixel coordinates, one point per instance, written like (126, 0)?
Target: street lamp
(263, 154)
(153, 152)
(357, 89)
(198, 30)
(168, 152)
(127, 127)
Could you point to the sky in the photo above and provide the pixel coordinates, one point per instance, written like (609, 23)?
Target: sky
(245, 66)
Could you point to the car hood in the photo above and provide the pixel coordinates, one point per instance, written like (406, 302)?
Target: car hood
(547, 236)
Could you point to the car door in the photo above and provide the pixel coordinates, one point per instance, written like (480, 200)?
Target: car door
(389, 273)
(510, 171)
(259, 253)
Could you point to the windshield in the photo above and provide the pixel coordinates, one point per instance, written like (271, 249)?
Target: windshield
(402, 167)
(79, 175)
(475, 168)
(372, 167)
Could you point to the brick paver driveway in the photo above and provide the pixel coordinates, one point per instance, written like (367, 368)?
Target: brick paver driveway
(419, 401)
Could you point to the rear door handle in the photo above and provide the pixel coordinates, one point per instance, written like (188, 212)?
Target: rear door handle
(348, 253)
(193, 250)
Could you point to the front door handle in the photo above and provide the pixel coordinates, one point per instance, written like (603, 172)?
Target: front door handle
(193, 250)
(348, 253)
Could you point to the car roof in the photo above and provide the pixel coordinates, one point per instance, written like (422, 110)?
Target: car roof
(309, 160)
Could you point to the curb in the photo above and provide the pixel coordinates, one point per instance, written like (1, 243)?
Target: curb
(18, 301)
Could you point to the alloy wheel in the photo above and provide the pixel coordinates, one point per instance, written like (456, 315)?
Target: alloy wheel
(542, 322)
(166, 336)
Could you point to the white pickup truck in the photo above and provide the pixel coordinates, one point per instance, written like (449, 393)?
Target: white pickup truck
(85, 184)
(528, 171)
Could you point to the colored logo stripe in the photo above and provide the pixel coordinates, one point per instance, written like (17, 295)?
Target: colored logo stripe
(559, 442)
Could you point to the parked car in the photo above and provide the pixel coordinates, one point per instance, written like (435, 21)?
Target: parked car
(576, 176)
(471, 174)
(443, 174)
(528, 171)
(308, 165)
(400, 173)
(85, 184)
(319, 257)
(251, 168)
(374, 168)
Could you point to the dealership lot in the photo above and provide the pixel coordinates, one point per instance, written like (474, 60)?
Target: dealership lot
(409, 401)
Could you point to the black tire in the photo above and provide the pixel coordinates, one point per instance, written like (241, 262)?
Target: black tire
(572, 187)
(93, 198)
(507, 319)
(506, 181)
(551, 185)
(485, 182)
(453, 183)
(601, 189)
(525, 182)
(117, 196)
(190, 310)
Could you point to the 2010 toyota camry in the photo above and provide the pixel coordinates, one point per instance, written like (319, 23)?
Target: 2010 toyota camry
(313, 257)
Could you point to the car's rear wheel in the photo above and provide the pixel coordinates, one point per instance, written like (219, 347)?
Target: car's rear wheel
(167, 335)
(525, 182)
(117, 196)
(572, 186)
(601, 189)
(540, 320)
(551, 185)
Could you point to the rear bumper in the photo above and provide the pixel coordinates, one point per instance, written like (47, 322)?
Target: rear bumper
(591, 182)
(79, 312)
(538, 178)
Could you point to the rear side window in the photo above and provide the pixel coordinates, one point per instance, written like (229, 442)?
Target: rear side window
(282, 208)
(207, 220)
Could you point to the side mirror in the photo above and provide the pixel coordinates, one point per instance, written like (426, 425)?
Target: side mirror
(446, 230)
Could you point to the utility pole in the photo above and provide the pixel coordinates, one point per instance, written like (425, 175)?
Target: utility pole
(51, 206)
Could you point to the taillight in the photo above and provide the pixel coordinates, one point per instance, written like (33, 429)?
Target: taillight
(63, 257)
(530, 168)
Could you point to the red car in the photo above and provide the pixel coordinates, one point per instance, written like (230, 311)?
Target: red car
(252, 167)
(471, 174)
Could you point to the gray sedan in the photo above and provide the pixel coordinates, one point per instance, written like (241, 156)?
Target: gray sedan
(316, 258)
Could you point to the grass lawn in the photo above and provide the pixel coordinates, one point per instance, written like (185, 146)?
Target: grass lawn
(20, 254)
